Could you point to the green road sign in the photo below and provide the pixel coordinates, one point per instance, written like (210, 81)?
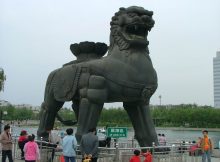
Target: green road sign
(116, 132)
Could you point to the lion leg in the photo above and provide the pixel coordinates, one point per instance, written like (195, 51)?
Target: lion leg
(142, 122)
(49, 109)
(89, 114)
(48, 113)
(91, 104)
(75, 108)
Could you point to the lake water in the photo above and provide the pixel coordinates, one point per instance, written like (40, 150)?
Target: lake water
(171, 135)
(190, 135)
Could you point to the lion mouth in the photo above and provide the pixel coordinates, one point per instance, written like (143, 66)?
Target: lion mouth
(136, 31)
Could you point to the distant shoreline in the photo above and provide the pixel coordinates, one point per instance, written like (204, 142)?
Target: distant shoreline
(157, 128)
(188, 129)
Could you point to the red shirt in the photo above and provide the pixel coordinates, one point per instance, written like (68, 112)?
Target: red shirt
(22, 138)
(148, 157)
(135, 159)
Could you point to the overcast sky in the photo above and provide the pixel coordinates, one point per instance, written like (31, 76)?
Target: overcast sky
(35, 36)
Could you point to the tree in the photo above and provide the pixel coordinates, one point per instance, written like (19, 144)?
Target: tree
(2, 79)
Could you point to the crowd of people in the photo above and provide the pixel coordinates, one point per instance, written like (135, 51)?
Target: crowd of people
(30, 150)
(203, 147)
(88, 146)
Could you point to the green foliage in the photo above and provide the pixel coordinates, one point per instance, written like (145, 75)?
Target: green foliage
(163, 116)
(67, 114)
(168, 116)
(17, 113)
(186, 116)
(114, 117)
(23, 114)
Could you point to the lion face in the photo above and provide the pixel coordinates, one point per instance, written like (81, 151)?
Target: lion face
(132, 25)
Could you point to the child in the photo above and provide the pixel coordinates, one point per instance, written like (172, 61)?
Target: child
(87, 159)
(21, 142)
(31, 150)
(136, 156)
(148, 156)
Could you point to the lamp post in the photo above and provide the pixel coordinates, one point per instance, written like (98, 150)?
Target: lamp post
(1, 114)
(1, 118)
(160, 99)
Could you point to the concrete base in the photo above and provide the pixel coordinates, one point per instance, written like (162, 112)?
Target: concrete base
(216, 153)
(46, 155)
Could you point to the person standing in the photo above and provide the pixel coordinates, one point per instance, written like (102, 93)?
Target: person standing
(53, 140)
(31, 150)
(163, 140)
(148, 156)
(199, 141)
(21, 142)
(69, 146)
(159, 138)
(206, 146)
(89, 145)
(6, 142)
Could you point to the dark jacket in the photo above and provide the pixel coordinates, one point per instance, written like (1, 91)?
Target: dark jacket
(89, 144)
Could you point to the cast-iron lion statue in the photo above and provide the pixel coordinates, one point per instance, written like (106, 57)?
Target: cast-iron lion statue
(125, 75)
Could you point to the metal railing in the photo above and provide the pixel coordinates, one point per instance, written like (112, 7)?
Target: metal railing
(120, 152)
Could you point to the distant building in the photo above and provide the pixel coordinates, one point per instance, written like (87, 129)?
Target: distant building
(4, 103)
(216, 79)
(35, 109)
(28, 106)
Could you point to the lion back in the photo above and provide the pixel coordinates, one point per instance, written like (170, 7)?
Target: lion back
(65, 82)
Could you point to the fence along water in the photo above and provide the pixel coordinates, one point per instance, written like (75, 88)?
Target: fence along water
(173, 152)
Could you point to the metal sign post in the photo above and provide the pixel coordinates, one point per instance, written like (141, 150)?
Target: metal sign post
(117, 132)
(1, 114)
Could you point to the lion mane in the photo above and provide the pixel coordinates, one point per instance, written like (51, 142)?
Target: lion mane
(121, 21)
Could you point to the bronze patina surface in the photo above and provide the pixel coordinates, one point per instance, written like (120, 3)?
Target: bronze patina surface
(125, 74)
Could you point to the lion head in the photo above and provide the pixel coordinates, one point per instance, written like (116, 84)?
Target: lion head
(130, 27)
